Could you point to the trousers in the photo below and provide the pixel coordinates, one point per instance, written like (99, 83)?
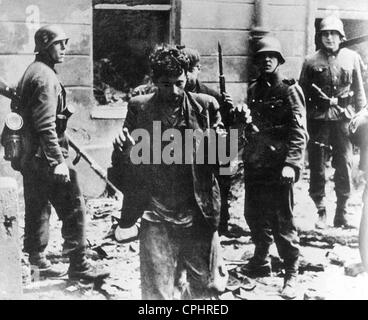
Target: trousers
(40, 192)
(269, 215)
(334, 134)
(166, 252)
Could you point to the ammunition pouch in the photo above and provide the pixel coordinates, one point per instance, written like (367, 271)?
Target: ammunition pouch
(62, 119)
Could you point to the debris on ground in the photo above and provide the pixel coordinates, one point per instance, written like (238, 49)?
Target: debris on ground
(329, 263)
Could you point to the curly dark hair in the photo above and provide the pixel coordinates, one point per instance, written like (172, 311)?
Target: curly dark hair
(168, 60)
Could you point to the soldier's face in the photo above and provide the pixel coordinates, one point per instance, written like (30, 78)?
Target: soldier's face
(193, 73)
(331, 40)
(268, 63)
(57, 51)
(170, 88)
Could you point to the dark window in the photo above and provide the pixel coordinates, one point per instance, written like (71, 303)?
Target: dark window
(122, 40)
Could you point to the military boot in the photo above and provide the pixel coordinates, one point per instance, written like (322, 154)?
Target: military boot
(340, 220)
(257, 269)
(321, 211)
(289, 291)
(322, 217)
(81, 269)
(42, 267)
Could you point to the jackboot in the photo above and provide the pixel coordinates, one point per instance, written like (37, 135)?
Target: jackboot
(81, 269)
(340, 220)
(43, 267)
(322, 217)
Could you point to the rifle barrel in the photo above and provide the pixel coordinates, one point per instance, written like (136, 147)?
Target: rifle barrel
(220, 58)
(221, 75)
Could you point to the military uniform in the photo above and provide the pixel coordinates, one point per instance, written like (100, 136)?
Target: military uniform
(277, 109)
(42, 100)
(337, 75)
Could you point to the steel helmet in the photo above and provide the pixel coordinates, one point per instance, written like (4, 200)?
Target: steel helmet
(270, 44)
(332, 23)
(47, 35)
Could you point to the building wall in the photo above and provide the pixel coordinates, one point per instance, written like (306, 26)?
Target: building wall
(204, 23)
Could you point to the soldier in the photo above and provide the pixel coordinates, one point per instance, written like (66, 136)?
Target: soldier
(273, 159)
(181, 205)
(47, 177)
(332, 83)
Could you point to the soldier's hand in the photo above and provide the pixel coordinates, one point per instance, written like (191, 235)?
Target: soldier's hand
(361, 118)
(228, 100)
(288, 175)
(123, 139)
(241, 114)
(61, 173)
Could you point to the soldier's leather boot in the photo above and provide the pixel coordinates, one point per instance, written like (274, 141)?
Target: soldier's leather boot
(322, 217)
(81, 269)
(42, 267)
(289, 291)
(340, 220)
(257, 269)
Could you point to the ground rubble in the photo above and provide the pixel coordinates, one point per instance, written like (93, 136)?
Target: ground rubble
(329, 265)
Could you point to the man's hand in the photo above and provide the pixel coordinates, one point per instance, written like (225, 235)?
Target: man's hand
(228, 100)
(242, 114)
(123, 140)
(288, 175)
(61, 173)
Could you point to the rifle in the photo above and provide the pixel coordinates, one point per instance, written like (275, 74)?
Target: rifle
(222, 84)
(221, 76)
(94, 166)
(351, 42)
(10, 93)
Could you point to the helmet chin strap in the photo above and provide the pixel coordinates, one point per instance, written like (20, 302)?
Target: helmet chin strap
(269, 75)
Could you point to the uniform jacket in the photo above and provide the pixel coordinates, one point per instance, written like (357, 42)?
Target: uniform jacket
(42, 98)
(142, 111)
(337, 75)
(278, 110)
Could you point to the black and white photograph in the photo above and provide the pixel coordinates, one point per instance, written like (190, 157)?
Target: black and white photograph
(205, 151)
